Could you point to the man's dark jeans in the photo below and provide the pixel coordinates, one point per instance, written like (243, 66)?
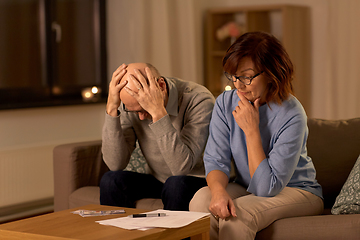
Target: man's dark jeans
(124, 188)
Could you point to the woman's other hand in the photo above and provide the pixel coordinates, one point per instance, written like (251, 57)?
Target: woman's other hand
(221, 204)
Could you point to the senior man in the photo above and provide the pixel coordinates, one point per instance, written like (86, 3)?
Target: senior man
(169, 118)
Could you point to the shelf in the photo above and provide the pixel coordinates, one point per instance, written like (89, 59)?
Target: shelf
(289, 23)
(218, 53)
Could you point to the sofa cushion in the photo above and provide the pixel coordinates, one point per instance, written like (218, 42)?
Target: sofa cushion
(348, 200)
(333, 146)
(149, 204)
(84, 196)
(137, 161)
(334, 227)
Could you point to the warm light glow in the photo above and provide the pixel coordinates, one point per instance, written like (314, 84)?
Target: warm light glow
(91, 94)
(94, 90)
(88, 95)
(227, 88)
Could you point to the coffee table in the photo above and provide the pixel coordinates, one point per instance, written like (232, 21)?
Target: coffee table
(12, 235)
(64, 224)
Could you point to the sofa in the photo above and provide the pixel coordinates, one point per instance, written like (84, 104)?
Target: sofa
(334, 146)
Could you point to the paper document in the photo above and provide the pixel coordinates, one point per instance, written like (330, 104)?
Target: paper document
(173, 219)
(91, 213)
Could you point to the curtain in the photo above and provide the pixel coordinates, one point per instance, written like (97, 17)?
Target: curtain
(164, 33)
(339, 96)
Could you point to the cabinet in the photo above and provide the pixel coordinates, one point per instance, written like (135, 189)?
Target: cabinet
(289, 23)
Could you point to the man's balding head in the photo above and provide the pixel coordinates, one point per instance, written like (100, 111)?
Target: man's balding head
(128, 100)
(124, 96)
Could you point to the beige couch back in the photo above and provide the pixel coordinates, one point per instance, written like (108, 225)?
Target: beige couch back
(334, 147)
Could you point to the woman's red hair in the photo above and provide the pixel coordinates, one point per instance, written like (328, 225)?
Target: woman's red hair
(268, 55)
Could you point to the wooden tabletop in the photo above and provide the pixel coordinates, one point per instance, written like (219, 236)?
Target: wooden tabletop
(12, 235)
(64, 224)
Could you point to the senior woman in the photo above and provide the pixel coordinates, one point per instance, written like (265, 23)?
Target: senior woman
(262, 127)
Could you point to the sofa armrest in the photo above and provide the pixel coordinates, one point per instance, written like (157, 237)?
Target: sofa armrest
(76, 165)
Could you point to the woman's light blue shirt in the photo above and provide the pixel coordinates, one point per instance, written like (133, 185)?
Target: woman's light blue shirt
(284, 132)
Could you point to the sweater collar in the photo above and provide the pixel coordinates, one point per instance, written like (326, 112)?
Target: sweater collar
(172, 105)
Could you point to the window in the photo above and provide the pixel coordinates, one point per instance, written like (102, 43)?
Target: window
(51, 51)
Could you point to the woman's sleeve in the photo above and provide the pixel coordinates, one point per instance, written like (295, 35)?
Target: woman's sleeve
(217, 155)
(275, 171)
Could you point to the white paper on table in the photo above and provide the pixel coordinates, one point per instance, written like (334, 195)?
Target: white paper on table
(173, 219)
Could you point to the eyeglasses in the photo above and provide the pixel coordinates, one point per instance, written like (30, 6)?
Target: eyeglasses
(127, 110)
(245, 80)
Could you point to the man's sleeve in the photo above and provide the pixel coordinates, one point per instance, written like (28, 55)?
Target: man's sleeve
(183, 151)
(115, 149)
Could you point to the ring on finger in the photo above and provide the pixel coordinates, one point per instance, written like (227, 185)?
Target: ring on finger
(215, 216)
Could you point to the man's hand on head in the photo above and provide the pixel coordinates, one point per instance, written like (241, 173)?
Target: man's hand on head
(150, 94)
(115, 87)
